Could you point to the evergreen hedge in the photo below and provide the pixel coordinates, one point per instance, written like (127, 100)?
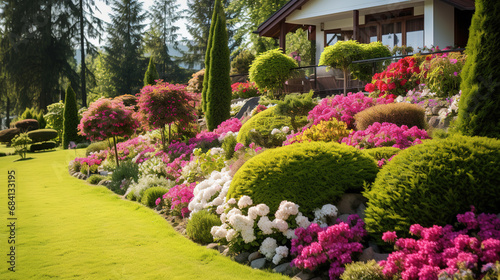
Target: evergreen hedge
(41, 135)
(151, 74)
(71, 121)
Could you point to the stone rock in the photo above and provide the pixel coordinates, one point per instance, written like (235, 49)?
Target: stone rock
(445, 123)
(303, 276)
(103, 173)
(242, 257)
(350, 202)
(286, 269)
(213, 246)
(361, 211)
(222, 248)
(225, 252)
(442, 111)
(428, 111)
(249, 105)
(344, 217)
(435, 110)
(434, 121)
(258, 263)
(253, 256)
(370, 254)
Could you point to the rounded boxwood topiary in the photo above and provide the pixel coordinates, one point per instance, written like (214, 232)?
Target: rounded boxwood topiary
(27, 125)
(41, 135)
(310, 174)
(151, 195)
(7, 135)
(95, 179)
(430, 183)
(43, 146)
(97, 147)
(264, 122)
(199, 226)
(397, 113)
(382, 152)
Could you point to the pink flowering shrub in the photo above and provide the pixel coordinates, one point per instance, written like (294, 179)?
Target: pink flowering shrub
(178, 198)
(444, 251)
(386, 135)
(334, 245)
(93, 159)
(231, 125)
(343, 108)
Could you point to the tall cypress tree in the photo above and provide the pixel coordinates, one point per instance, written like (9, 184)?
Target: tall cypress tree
(70, 123)
(479, 106)
(219, 83)
(151, 74)
(207, 59)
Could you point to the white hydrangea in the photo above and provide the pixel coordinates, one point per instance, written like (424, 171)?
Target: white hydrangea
(231, 234)
(244, 201)
(290, 234)
(285, 129)
(281, 252)
(302, 221)
(321, 215)
(146, 182)
(265, 225)
(286, 209)
(280, 225)
(268, 247)
(211, 192)
(258, 210)
(399, 99)
(223, 136)
(216, 151)
(154, 165)
(275, 131)
(219, 232)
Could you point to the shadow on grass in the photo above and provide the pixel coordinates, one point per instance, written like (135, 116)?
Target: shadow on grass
(23, 159)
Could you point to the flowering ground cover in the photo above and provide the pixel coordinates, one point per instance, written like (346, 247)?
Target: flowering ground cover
(71, 230)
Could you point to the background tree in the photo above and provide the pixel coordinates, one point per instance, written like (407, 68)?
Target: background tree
(218, 99)
(70, 122)
(55, 118)
(123, 50)
(207, 57)
(151, 74)
(479, 106)
(100, 83)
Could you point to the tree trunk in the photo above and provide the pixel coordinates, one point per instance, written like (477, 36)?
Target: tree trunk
(116, 152)
(82, 56)
(345, 81)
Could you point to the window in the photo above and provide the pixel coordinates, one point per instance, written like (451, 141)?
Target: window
(333, 36)
(415, 33)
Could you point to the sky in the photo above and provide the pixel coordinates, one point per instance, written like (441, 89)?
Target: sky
(105, 10)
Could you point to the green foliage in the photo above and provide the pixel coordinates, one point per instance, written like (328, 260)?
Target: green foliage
(151, 74)
(20, 143)
(296, 105)
(428, 184)
(241, 63)
(441, 74)
(96, 147)
(84, 168)
(95, 179)
(41, 135)
(364, 71)
(208, 61)
(310, 174)
(263, 123)
(7, 135)
(29, 113)
(327, 131)
(219, 93)
(128, 100)
(199, 226)
(122, 177)
(299, 45)
(43, 146)
(381, 152)
(363, 271)
(398, 113)
(478, 112)
(55, 117)
(209, 162)
(152, 194)
(228, 145)
(195, 84)
(71, 121)
(271, 69)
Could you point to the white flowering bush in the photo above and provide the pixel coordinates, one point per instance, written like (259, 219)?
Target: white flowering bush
(136, 190)
(210, 193)
(153, 166)
(246, 226)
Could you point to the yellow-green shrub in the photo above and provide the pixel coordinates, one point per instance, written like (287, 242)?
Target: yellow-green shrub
(199, 226)
(398, 113)
(326, 131)
(381, 152)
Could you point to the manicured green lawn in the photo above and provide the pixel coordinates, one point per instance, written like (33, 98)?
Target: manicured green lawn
(68, 229)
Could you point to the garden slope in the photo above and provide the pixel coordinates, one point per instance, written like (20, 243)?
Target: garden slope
(68, 229)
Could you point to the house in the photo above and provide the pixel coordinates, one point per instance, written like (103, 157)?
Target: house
(415, 23)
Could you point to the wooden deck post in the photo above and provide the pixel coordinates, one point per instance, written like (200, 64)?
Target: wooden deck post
(283, 32)
(355, 25)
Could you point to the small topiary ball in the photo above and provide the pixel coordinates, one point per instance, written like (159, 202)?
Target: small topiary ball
(430, 183)
(152, 194)
(199, 226)
(309, 174)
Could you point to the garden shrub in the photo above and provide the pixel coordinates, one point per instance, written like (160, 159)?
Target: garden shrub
(84, 168)
(244, 90)
(326, 131)
(195, 84)
(43, 146)
(95, 179)
(27, 125)
(228, 146)
(241, 63)
(7, 135)
(152, 194)
(97, 147)
(309, 174)
(382, 152)
(55, 117)
(271, 69)
(41, 135)
(122, 177)
(199, 226)
(20, 143)
(82, 145)
(263, 123)
(364, 71)
(441, 73)
(136, 190)
(71, 120)
(479, 112)
(296, 105)
(363, 271)
(428, 184)
(397, 113)
(127, 99)
(151, 74)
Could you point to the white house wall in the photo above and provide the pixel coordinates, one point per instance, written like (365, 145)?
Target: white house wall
(439, 24)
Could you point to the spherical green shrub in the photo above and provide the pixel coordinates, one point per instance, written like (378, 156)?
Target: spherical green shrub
(264, 122)
(271, 69)
(310, 174)
(363, 271)
(151, 195)
(199, 226)
(96, 147)
(7, 135)
(27, 125)
(95, 179)
(43, 146)
(127, 171)
(430, 183)
(41, 135)
(398, 113)
(382, 152)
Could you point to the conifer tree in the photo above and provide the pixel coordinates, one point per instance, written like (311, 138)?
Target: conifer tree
(151, 74)
(219, 83)
(479, 106)
(207, 59)
(70, 123)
